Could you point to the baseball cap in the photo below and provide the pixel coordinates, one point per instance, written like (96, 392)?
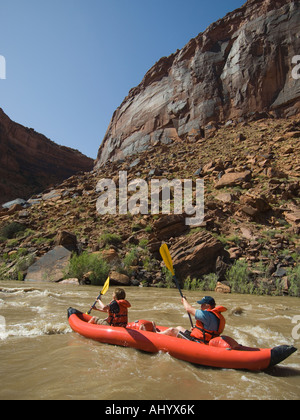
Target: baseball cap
(207, 299)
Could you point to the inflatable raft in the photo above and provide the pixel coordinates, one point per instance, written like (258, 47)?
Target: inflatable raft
(221, 352)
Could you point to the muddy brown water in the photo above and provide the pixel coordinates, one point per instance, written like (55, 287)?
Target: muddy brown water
(41, 358)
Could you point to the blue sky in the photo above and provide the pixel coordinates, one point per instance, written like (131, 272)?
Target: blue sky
(70, 63)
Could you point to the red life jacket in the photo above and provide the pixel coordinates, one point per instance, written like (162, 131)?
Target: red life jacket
(201, 334)
(119, 316)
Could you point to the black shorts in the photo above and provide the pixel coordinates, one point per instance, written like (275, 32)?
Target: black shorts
(187, 336)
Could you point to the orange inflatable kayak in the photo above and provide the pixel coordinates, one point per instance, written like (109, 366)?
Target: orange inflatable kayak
(221, 352)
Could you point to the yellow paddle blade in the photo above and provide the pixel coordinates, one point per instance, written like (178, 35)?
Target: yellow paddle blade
(105, 287)
(165, 253)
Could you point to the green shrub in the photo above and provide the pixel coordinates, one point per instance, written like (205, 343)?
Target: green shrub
(192, 284)
(85, 263)
(143, 243)
(110, 239)
(11, 230)
(129, 260)
(168, 283)
(294, 278)
(207, 282)
(238, 277)
(22, 263)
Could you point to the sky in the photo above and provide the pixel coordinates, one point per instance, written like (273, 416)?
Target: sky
(70, 63)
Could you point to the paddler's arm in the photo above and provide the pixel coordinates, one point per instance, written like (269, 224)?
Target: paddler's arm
(103, 308)
(188, 307)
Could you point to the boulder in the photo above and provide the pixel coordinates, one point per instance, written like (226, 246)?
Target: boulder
(226, 198)
(71, 281)
(293, 215)
(53, 195)
(166, 227)
(170, 225)
(13, 209)
(196, 255)
(247, 233)
(67, 240)
(233, 179)
(18, 201)
(50, 267)
(254, 205)
(119, 279)
(222, 288)
(110, 255)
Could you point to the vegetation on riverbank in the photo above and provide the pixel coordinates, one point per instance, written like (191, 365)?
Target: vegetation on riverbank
(241, 280)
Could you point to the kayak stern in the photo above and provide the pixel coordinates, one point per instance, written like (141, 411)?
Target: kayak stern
(280, 353)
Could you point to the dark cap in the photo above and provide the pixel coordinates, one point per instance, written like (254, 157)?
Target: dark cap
(207, 299)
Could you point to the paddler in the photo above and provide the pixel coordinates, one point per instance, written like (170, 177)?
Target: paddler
(210, 322)
(117, 310)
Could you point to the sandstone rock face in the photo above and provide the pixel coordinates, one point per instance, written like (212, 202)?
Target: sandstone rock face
(30, 163)
(119, 279)
(50, 267)
(240, 65)
(197, 254)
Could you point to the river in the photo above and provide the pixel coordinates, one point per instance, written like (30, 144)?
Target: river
(41, 358)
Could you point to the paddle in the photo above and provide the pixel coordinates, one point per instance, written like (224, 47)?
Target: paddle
(165, 253)
(103, 291)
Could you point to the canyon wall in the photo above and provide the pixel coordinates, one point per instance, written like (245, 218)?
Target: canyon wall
(30, 162)
(241, 65)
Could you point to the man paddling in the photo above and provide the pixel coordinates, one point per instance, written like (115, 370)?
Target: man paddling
(210, 322)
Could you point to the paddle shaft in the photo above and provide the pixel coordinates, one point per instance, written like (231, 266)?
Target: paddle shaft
(94, 303)
(166, 256)
(103, 291)
(178, 287)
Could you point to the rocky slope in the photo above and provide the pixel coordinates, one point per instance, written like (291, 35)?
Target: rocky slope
(240, 65)
(251, 177)
(29, 162)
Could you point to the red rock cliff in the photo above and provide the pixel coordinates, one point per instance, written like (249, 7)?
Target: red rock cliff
(240, 65)
(30, 162)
